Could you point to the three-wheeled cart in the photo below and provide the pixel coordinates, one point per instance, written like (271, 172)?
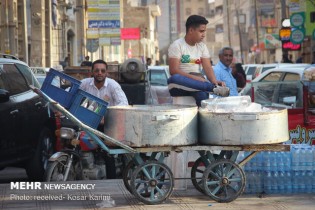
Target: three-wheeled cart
(147, 177)
(148, 134)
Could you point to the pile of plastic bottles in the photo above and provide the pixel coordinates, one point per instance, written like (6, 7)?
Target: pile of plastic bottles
(281, 172)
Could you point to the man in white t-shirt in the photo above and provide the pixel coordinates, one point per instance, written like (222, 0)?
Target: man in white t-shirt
(189, 60)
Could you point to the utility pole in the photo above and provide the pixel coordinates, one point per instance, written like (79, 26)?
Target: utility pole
(228, 21)
(257, 31)
(239, 31)
(283, 16)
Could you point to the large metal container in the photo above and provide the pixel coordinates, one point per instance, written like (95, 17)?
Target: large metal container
(243, 128)
(144, 126)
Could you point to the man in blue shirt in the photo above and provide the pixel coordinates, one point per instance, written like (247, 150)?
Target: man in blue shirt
(223, 72)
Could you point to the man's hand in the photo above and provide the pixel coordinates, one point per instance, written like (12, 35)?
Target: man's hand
(221, 83)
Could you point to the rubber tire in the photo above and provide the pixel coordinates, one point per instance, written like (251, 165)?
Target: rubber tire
(36, 167)
(53, 164)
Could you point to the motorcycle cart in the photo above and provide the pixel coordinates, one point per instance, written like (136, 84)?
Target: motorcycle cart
(217, 175)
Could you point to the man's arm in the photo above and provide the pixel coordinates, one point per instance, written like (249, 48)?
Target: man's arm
(206, 65)
(174, 69)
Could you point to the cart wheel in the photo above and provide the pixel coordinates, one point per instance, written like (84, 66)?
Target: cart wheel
(152, 182)
(223, 181)
(196, 174)
(127, 172)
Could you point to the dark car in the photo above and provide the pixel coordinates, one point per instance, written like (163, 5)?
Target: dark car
(27, 138)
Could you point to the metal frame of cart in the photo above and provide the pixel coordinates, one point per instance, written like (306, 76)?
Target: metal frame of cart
(147, 177)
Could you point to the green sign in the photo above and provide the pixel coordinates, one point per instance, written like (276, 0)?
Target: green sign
(297, 36)
(313, 34)
(297, 19)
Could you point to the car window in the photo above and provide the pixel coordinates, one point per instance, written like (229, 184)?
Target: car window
(251, 70)
(273, 76)
(27, 73)
(12, 80)
(266, 68)
(287, 94)
(291, 77)
(158, 78)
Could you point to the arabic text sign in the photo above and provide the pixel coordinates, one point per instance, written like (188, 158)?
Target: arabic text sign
(104, 24)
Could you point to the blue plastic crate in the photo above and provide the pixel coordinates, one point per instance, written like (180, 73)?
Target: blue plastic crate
(63, 96)
(88, 108)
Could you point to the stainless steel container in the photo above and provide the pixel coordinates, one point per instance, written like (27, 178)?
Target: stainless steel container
(243, 128)
(144, 126)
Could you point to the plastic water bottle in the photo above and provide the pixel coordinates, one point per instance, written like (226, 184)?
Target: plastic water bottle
(295, 158)
(274, 182)
(302, 180)
(281, 182)
(308, 181)
(308, 158)
(267, 182)
(259, 182)
(288, 182)
(302, 159)
(273, 161)
(295, 181)
(249, 182)
(280, 161)
(287, 161)
(260, 162)
(267, 161)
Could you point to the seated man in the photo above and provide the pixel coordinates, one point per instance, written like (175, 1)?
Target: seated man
(223, 70)
(187, 56)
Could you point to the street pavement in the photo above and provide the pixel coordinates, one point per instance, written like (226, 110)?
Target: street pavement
(112, 194)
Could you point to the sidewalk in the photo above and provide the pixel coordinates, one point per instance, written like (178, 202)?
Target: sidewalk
(114, 190)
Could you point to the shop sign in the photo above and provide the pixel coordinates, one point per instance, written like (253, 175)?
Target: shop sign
(297, 36)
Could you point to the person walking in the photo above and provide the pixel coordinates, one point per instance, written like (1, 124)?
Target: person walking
(223, 71)
(187, 56)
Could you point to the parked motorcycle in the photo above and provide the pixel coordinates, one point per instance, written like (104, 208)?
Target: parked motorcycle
(81, 158)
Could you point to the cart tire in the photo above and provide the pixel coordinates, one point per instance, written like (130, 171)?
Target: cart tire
(128, 170)
(56, 169)
(223, 180)
(196, 174)
(126, 175)
(152, 182)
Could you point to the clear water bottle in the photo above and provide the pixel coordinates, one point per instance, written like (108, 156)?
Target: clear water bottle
(259, 182)
(267, 163)
(267, 182)
(295, 181)
(280, 161)
(287, 161)
(308, 181)
(288, 182)
(308, 158)
(302, 159)
(281, 182)
(302, 180)
(260, 161)
(274, 182)
(295, 157)
(273, 161)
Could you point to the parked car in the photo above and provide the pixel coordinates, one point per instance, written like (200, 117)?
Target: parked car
(264, 67)
(157, 88)
(287, 87)
(250, 71)
(27, 138)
